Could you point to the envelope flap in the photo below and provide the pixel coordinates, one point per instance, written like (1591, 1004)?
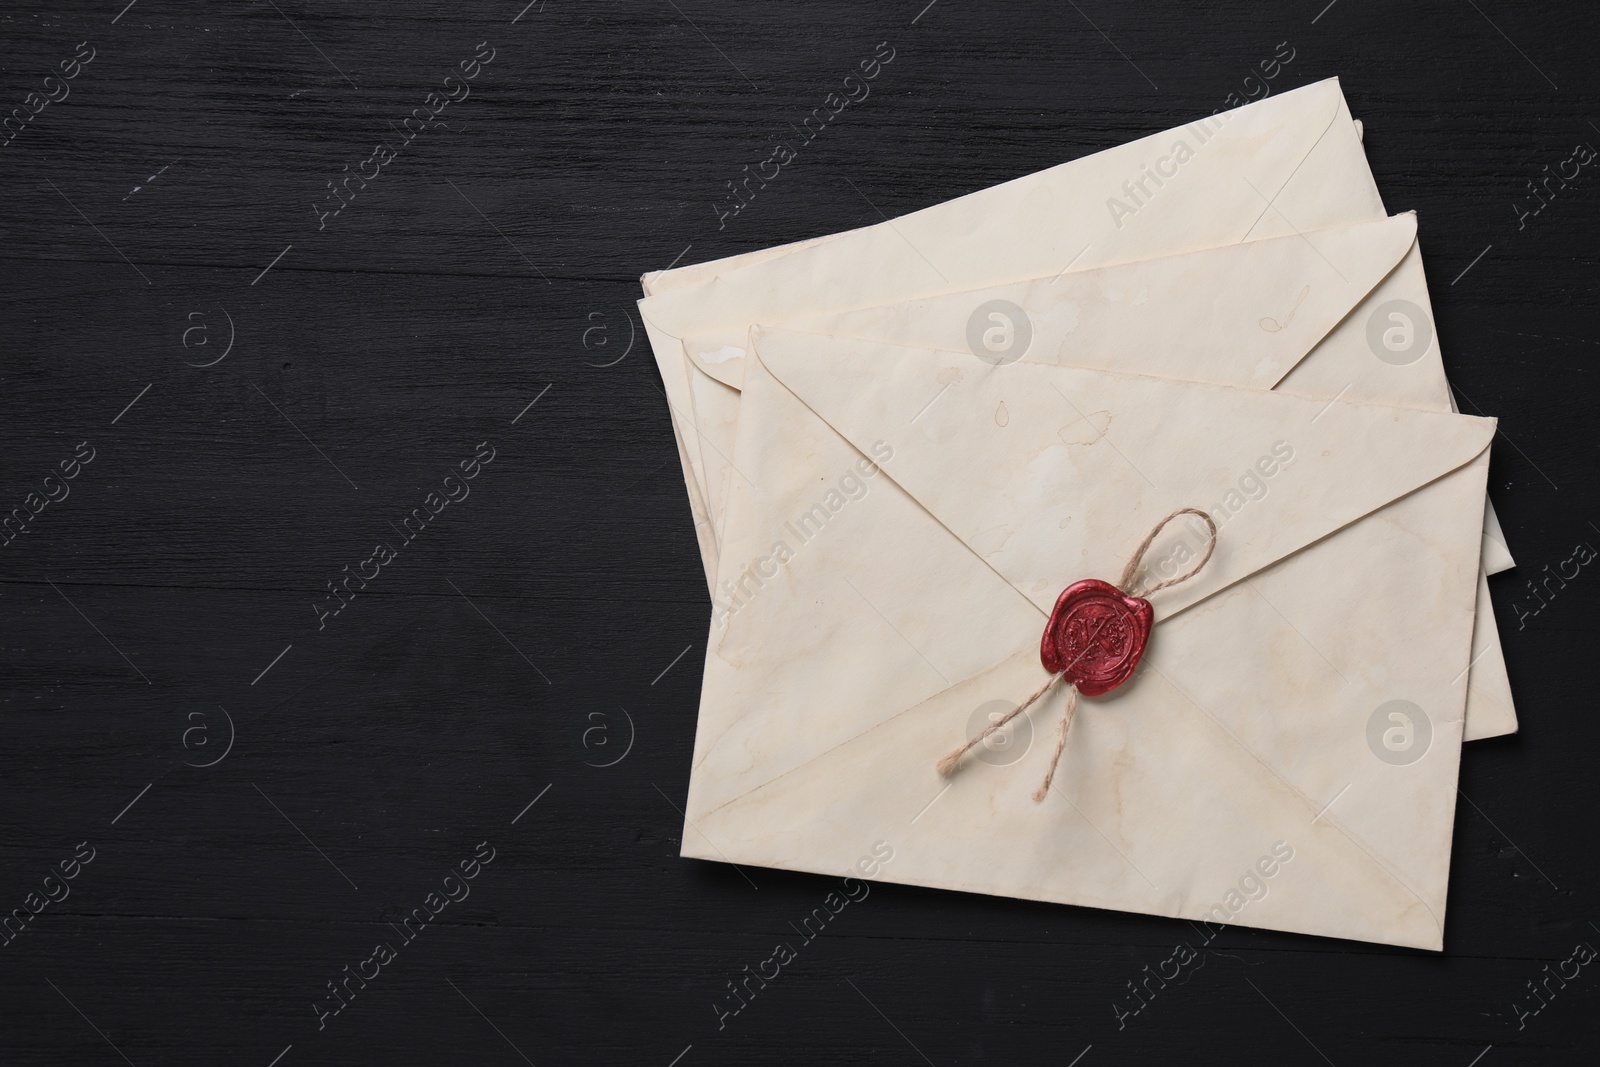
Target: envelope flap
(1243, 314)
(1202, 201)
(1053, 474)
(720, 353)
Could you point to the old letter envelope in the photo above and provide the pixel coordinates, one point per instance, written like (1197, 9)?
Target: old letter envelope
(1277, 167)
(1319, 313)
(1310, 312)
(910, 516)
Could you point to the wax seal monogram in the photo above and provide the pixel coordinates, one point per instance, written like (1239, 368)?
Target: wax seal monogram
(1094, 640)
(1096, 636)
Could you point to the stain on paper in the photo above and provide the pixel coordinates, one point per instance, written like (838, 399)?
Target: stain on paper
(722, 355)
(1002, 417)
(1272, 325)
(1087, 430)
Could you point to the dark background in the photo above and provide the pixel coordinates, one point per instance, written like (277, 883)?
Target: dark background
(502, 655)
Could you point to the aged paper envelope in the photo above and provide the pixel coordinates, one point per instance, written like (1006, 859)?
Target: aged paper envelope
(1320, 313)
(1281, 165)
(884, 612)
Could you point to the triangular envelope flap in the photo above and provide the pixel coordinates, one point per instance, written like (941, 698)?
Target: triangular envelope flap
(1052, 474)
(720, 353)
(1242, 314)
(953, 245)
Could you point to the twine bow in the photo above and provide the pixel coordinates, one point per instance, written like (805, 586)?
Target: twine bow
(1127, 587)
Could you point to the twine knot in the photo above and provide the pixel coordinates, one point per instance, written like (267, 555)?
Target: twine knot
(1097, 635)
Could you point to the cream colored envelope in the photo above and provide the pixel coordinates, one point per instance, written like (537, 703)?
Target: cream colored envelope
(679, 377)
(1321, 313)
(1244, 314)
(890, 606)
(1287, 163)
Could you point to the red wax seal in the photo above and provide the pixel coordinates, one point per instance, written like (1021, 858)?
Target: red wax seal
(1096, 636)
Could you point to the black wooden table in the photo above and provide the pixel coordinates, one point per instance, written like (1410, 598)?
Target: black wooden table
(241, 345)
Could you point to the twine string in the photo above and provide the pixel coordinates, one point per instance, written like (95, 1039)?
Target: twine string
(947, 765)
(952, 760)
(1125, 583)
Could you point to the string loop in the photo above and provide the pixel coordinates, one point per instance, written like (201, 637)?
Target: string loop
(952, 760)
(1144, 546)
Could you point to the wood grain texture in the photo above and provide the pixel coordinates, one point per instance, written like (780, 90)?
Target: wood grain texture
(472, 674)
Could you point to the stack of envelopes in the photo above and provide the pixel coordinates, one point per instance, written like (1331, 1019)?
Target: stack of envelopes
(902, 442)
